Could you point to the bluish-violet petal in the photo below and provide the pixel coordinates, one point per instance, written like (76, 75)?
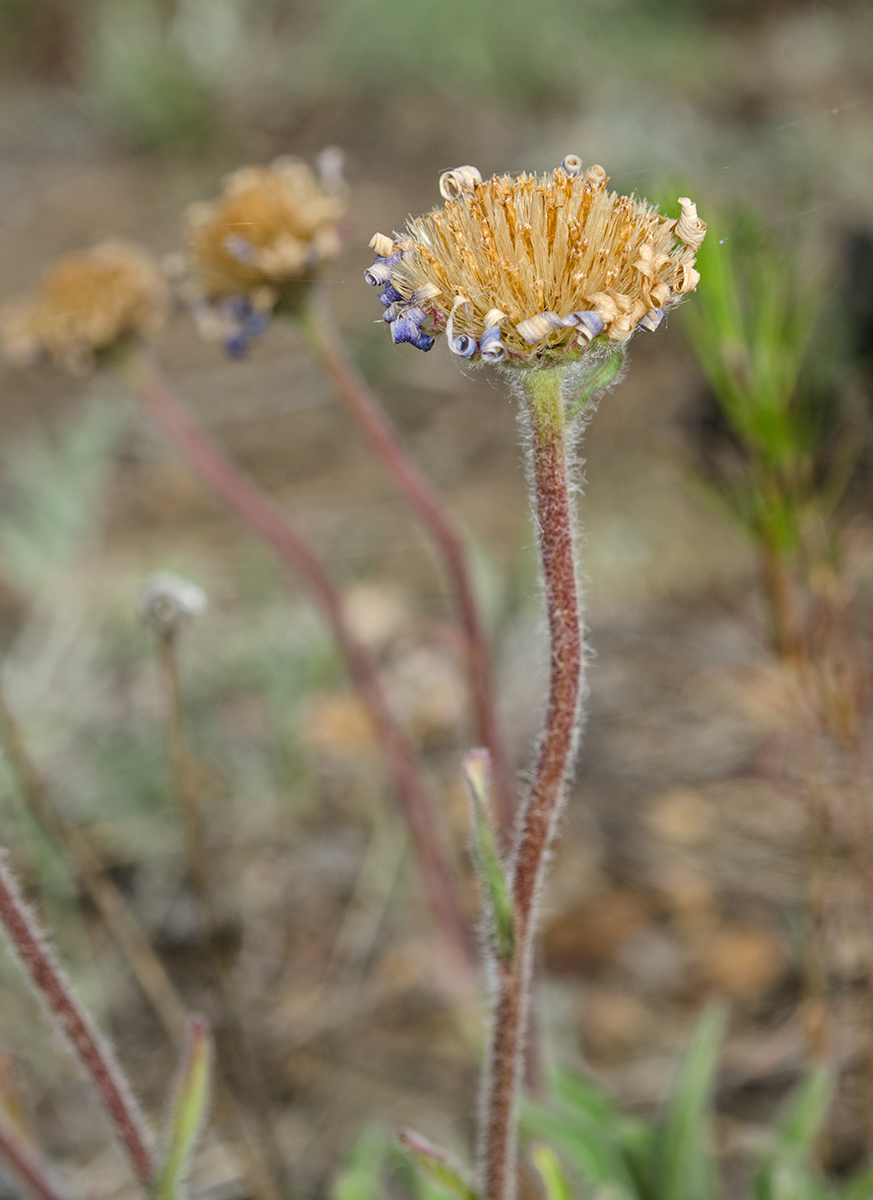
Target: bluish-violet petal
(378, 273)
(236, 344)
(463, 346)
(491, 349)
(390, 295)
(238, 307)
(392, 312)
(256, 325)
(572, 164)
(415, 313)
(240, 249)
(652, 319)
(592, 322)
(404, 329)
(423, 342)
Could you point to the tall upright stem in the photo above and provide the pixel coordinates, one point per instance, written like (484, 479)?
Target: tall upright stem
(50, 985)
(185, 779)
(122, 925)
(262, 516)
(545, 413)
(32, 1172)
(364, 406)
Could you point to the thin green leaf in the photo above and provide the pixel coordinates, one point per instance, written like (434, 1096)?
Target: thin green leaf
(685, 1155)
(438, 1166)
(187, 1111)
(604, 375)
(362, 1176)
(492, 877)
(548, 1165)
(788, 1171)
(598, 1141)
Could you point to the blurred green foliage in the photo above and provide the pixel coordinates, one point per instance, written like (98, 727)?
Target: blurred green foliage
(164, 72)
(781, 444)
(583, 1145)
(758, 330)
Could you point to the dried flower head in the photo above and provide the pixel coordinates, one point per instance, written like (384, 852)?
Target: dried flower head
(88, 304)
(530, 270)
(260, 246)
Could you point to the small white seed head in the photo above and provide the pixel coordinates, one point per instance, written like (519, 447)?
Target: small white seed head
(167, 602)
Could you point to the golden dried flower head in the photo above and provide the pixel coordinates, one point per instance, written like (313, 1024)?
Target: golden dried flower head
(260, 246)
(88, 304)
(530, 270)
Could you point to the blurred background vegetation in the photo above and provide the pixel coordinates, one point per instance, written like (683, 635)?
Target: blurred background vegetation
(684, 870)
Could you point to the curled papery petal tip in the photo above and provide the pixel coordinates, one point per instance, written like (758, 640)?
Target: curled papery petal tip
(462, 179)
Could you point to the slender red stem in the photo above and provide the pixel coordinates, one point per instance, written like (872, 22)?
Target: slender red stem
(376, 427)
(262, 516)
(48, 982)
(33, 1174)
(548, 468)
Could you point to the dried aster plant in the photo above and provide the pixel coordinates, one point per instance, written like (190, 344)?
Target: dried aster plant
(256, 253)
(257, 249)
(89, 304)
(97, 307)
(548, 276)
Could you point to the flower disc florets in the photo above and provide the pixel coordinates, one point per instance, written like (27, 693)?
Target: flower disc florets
(529, 270)
(261, 245)
(87, 305)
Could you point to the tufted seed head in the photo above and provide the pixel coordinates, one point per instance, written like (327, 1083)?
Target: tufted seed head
(263, 242)
(87, 305)
(531, 269)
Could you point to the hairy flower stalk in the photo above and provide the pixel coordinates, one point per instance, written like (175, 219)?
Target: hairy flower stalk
(96, 306)
(52, 988)
(548, 276)
(257, 511)
(256, 253)
(20, 1157)
(544, 412)
(373, 421)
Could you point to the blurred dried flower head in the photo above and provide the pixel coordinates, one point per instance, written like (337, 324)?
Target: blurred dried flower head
(87, 305)
(258, 248)
(167, 602)
(530, 270)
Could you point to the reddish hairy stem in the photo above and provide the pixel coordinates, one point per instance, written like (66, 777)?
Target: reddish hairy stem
(20, 1157)
(548, 457)
(50, 985)
(262, 516)
(373, 422)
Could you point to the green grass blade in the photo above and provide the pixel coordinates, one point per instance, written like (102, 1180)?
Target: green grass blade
(438, 1166)
(187, 1112)
(555, 1183)
(685, 1158)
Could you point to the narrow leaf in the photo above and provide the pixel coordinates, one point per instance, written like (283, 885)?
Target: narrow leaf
(187, 1111)
(602, 376)
(686, 1159)
(492, 877)
(555, 1182)
(362, 1176)
(438, 1166)
(788, 1172)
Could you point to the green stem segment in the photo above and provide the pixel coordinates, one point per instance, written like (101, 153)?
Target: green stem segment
(545, 405)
